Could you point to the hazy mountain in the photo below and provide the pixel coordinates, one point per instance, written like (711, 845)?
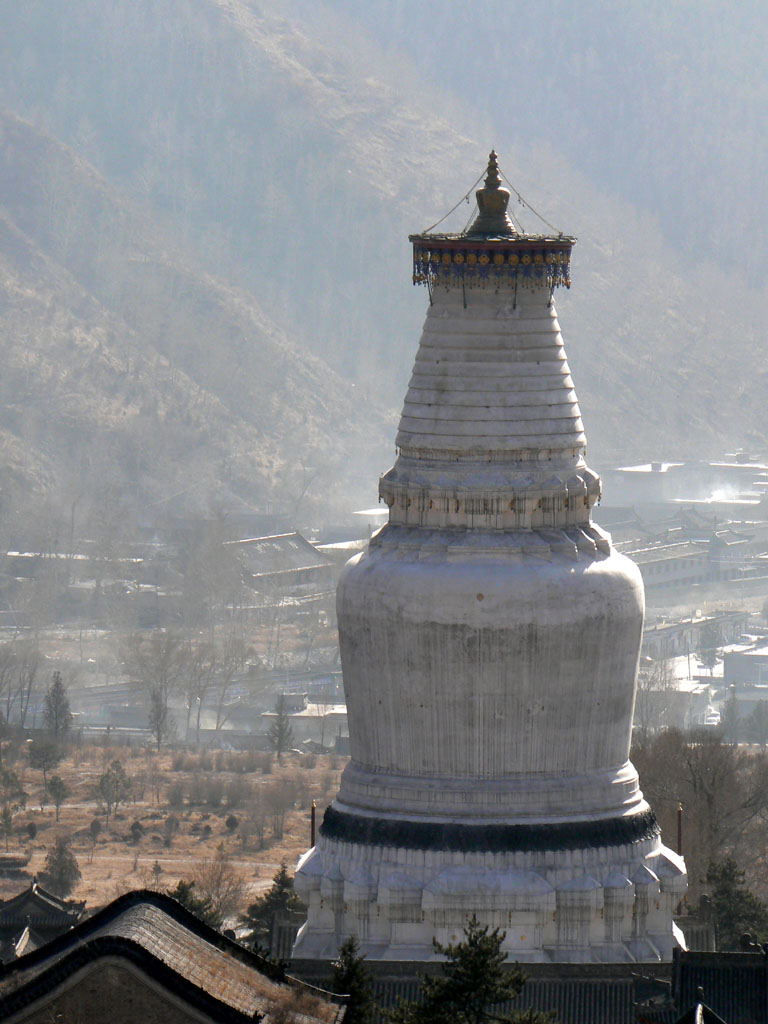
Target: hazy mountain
(227, 187)
(127, 367)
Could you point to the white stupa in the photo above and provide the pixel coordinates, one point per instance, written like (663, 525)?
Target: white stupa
(489, 643)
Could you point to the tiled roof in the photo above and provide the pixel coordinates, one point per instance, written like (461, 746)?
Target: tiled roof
(41, 907)
(735, 985)
(286, 552)
(162, 937)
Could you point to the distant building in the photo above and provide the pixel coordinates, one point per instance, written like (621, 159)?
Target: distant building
(728, 484)
(746, 667)
(39, 913)
(672, 638)
(315, 722)
(285, 565)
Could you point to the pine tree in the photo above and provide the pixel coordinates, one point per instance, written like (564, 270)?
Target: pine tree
(158, 714)
(280, 898)
(737, 910)
(12, 799)
(58, 716)
(281, 731)
(200, 906)
(44, 755)
(61, 872)
(352, 977)
(473, 983)
(59, 791)
(114, 787)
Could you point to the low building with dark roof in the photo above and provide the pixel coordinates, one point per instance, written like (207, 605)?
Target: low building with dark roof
(12, 946)
(44, 913)
(145, 958)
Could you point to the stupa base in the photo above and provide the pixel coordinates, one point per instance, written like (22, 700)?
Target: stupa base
(609, 900)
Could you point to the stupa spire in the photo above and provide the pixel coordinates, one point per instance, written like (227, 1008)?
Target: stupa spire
(492, 202)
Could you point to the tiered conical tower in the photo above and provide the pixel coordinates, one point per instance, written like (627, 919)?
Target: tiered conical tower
(489, 643)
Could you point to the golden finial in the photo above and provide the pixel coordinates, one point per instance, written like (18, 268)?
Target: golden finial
(492, 201)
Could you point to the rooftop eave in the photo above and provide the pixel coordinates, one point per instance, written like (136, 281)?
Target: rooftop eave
(503, 241)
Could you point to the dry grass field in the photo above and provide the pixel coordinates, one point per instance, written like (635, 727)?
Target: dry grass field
(184, 812)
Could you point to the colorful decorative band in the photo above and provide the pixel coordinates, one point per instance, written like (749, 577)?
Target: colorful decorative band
(412, 835)
(482, 266)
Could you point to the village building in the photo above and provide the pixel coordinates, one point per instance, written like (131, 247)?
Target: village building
(286, 565)
(318, 722)
(34, 917)
(670, 638)
(489, 642)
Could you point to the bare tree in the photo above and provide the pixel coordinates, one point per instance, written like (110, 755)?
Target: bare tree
(198, 679)
(757, 724)
(217, 880)
(653, 697)
(230, 661)
(158, 662)
(723, 789)
(7, 673)
(278, 799)
(26, 665)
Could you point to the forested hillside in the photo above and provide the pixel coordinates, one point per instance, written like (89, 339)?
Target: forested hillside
(204, 210)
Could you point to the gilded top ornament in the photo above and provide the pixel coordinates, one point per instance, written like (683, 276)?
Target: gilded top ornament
(492, 202)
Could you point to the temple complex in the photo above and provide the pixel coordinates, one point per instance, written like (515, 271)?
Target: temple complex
(489, 643)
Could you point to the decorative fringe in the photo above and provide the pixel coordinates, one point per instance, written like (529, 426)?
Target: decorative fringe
(515, 262)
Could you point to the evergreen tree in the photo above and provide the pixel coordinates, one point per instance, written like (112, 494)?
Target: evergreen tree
(281, 732)
(472, 985)
(12, 799)
(280, 898)
(158, 714)
(352, 977)
(6, 824)
(58, 716)
(59, 791)
(44, 755)
(737, 910)
(61, 872)
(114, 787)
(200, 906)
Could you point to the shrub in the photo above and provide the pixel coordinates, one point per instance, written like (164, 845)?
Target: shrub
(214, 791)
(237, 792)
(170, 829)
(175, 795)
